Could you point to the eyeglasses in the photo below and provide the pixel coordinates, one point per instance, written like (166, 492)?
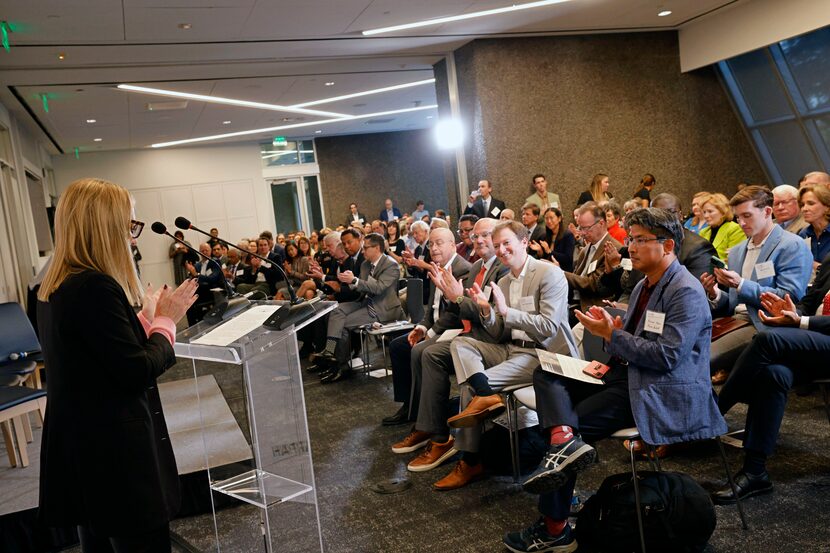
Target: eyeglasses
(135, 228)
(464, 230)
(589, 227)
(485, 234)
(783, 202)
(642, 240)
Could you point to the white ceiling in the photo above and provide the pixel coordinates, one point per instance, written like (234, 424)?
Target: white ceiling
(272, 51)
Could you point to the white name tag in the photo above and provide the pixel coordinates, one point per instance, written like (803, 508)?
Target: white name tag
(555, 204)
(626, 264)
(654, 322)
(592, 266)
(764, 270)
(495, 211)
(260, 277)
(266, 265)
(487, 291)
(526, 304)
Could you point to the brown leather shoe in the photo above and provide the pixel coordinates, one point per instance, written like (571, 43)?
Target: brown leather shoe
(460, 476)
(414, 440)
(432, 456)
(661, 451)
(719, 377)
(479, 409)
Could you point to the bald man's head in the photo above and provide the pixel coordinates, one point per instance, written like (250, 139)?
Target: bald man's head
(441, 245)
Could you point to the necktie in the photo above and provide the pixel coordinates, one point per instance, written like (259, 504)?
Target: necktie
(825, 307)
(370, 304)
(468, 326)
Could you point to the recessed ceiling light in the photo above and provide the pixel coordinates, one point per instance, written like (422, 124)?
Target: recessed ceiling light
(90, 121)
(471, 15)
(329, 83)
(664, 13)
(283, 127)
(185, 26)
(430, 116)
(61, 56)
(226, 122)
(229, 101)
(97, 139)
(364, 93)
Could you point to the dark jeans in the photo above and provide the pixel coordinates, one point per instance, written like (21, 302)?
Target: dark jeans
(157, 541)
(764, 373)
(593, 411)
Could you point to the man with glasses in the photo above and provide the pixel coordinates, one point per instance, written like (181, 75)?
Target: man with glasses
(378, 284)
(465, 247)
(658, 379)
(405, 351)
(786, 209)
(585, 281)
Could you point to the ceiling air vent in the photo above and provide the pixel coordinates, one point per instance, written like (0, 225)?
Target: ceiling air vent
(166, 106)
(380, 121)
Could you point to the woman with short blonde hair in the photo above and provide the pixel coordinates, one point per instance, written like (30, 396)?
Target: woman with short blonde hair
(103, 363)
(723, 233)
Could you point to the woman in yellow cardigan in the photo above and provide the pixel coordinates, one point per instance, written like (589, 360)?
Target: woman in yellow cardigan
(722, 232)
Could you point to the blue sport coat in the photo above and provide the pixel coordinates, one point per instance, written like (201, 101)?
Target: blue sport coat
(668, 374)
(793, 264)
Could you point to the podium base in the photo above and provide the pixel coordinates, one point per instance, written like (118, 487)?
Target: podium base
(261, 488)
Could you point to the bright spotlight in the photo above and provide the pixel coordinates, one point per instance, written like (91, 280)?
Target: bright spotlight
(449, 134)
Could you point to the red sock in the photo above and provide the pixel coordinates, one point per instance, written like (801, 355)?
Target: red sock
(560, 434)
(554, 527)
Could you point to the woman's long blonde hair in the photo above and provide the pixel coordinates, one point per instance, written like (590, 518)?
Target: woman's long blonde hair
(92, 225)
(596, 188)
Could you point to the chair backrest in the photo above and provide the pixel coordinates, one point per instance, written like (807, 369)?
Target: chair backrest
(592, 345)
(415, 299)
(16, 332)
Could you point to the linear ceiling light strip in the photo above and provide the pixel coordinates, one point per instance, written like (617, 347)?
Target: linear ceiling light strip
(365, 93)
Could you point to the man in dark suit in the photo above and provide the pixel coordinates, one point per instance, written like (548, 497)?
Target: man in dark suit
(378, 286)
(530, 219)
(405, 351)
(257, 277)
(390, 212)
(354, 216)
(658, 378)
(418, 260)
(482, 203)
(209, 275)
(432, 405)
(793, 348)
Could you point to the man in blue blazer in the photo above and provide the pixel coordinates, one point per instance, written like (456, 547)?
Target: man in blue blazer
(769, 260)
(390, 212)
(658, 378)
(794, 347)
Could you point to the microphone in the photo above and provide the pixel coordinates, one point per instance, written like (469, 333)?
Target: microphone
(185, 224)
(22, 354)
(218, 313)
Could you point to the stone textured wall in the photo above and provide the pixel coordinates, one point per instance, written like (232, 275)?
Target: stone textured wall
(570, 107)
(368, 168)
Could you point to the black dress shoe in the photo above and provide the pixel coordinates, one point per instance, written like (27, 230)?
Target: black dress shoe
(747, 486)
(401, 416)
(336, 375)
(322, 356)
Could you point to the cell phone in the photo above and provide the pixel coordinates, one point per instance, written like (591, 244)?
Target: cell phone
(718, 262)
(596, 369)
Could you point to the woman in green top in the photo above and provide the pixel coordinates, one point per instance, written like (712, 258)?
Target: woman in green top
(723, 233)
(541, 196)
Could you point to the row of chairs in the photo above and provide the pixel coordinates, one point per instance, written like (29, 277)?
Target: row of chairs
(21, 391)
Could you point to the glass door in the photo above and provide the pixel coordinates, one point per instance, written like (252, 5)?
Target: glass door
(297, 204)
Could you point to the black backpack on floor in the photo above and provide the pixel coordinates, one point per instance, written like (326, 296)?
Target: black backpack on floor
(678, 515)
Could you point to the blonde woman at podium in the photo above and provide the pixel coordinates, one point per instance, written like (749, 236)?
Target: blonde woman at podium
(106, 463)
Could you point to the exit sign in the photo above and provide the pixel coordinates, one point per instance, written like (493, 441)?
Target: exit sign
(280, 141)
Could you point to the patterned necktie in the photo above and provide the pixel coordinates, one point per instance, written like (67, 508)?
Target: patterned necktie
(825, 305)
(468, 326)
(370, 304)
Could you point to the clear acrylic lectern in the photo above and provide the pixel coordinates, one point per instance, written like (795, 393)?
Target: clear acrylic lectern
(254, 434)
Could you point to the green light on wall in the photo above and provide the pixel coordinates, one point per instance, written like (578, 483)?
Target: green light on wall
(77, 153)
(4, 28)
(45, 102)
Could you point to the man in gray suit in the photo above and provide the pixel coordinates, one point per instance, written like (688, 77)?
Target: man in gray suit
(431, 428)
(658, 379)
(378, 282)
(529, 311)
(405, 351)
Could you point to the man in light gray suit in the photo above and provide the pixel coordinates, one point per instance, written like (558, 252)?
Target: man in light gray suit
(529, 311)
(378, 282)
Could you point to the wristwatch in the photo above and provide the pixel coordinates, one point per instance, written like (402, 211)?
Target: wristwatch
(459, 299)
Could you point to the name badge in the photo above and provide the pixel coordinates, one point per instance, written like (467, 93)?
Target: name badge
(592, 267)
(654, 322)
(266, 265)
(555, 204)
(487, 291)
(495, 211)
(260, 277)
(526, 304)
(626, 264)
(764, 270)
